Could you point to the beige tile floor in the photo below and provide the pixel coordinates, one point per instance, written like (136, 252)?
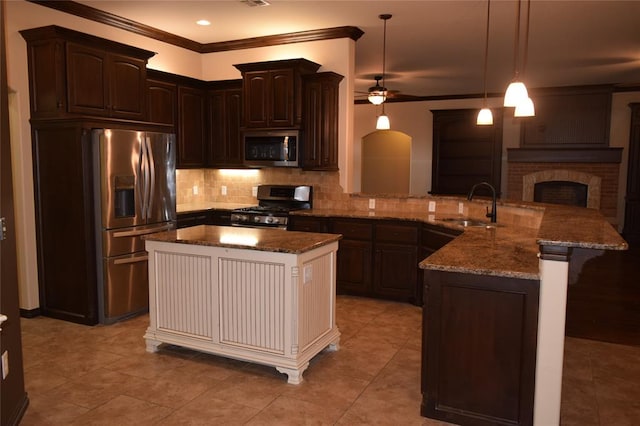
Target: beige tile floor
(78, 375)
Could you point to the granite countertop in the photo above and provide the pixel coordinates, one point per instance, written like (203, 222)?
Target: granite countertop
(209, 205)
(504, 250)
(262, 239)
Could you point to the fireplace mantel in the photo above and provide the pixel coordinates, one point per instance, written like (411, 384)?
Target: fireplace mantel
(564, 155)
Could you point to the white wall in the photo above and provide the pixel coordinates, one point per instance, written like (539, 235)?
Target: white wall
(416, 120)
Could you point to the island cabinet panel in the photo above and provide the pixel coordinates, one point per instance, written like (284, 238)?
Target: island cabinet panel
(76, 74)
(479, 348)
(272, 308)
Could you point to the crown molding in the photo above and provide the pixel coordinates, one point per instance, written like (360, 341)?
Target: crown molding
(97, 15)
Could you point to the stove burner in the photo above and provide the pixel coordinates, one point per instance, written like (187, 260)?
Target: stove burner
(275, 203)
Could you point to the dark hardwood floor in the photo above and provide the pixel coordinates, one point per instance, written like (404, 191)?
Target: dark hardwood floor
(603, 301)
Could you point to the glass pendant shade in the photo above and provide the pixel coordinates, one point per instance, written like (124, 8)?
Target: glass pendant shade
(516, 94)
(383, 122)
(525, 109)
(485, 117)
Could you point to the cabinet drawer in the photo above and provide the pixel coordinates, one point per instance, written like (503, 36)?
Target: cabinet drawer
(397, 234)
(353, 230)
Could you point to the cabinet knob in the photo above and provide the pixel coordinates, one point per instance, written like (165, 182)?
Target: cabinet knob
(59, 104)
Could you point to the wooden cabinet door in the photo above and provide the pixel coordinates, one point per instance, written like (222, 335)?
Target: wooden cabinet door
(256, 99)
(65, 224)
(631, 231)
(354, 268)
(191, 127)
(320, 118)
(127, 84)
(355, 253)
(308, 224)
(47, 78)
(225, 119)
(87, 82)
(479, 335)
(161, 102)
(281, 98)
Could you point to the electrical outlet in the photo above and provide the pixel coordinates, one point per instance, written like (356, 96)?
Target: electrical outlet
(432, 206)
(308, 273)
(460, 208)
(372, 203)
(254, 191)
(195, 189)
(5, 364)
(223, 190)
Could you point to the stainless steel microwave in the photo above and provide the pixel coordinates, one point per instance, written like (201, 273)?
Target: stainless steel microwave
(271, 148)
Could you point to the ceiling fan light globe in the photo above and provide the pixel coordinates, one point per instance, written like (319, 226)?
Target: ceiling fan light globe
(377, 97)
(516, 94)
(383, 123)
(485, 117)
(525, 109)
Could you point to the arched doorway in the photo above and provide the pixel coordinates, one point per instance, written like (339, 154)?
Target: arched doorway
(386, 162)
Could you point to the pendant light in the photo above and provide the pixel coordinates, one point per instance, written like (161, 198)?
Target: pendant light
(383, 121)
(485, 117)
(525, 107)
(377, 93)
(517, 91)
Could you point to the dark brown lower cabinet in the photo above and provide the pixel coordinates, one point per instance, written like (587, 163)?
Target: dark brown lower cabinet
(204, 217)
(479, 348)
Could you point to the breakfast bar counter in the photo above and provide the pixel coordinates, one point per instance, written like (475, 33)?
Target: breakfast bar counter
(260, 295)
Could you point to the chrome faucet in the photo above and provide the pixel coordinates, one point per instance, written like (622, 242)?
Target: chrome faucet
(493, 213)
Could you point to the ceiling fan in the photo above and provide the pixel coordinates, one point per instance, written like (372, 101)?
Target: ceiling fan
(378, 94)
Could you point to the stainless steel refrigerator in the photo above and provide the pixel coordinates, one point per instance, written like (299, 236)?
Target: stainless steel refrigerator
(135, 194)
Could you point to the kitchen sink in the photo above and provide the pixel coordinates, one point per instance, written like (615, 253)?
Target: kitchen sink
(469, 223)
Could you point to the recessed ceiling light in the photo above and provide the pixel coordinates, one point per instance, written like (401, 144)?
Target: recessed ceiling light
(203, 22)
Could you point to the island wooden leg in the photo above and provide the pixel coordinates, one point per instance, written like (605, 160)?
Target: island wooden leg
(295, 375)
(152, 345)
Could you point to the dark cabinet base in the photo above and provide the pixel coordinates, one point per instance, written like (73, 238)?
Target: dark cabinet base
(479, 349)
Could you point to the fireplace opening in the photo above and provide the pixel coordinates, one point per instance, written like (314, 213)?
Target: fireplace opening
(561, 192)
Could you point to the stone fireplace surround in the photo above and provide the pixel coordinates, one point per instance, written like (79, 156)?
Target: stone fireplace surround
(594, 183)
(601, 178)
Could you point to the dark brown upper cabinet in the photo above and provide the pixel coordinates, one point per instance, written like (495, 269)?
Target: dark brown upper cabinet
(72, 74)
(162, 98)
(272, 92)
(320, 118)
(224, 99)
(572, 117)
(192, 129)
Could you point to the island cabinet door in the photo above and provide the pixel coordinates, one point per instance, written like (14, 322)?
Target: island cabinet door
(479, 348)
(183, 299)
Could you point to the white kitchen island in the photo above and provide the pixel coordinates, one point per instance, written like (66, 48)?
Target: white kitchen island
(254, 294)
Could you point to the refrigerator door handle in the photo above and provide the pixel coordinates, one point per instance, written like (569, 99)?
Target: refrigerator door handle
(135, 233)
(151, 177)
(131, 260)
(144, 167)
